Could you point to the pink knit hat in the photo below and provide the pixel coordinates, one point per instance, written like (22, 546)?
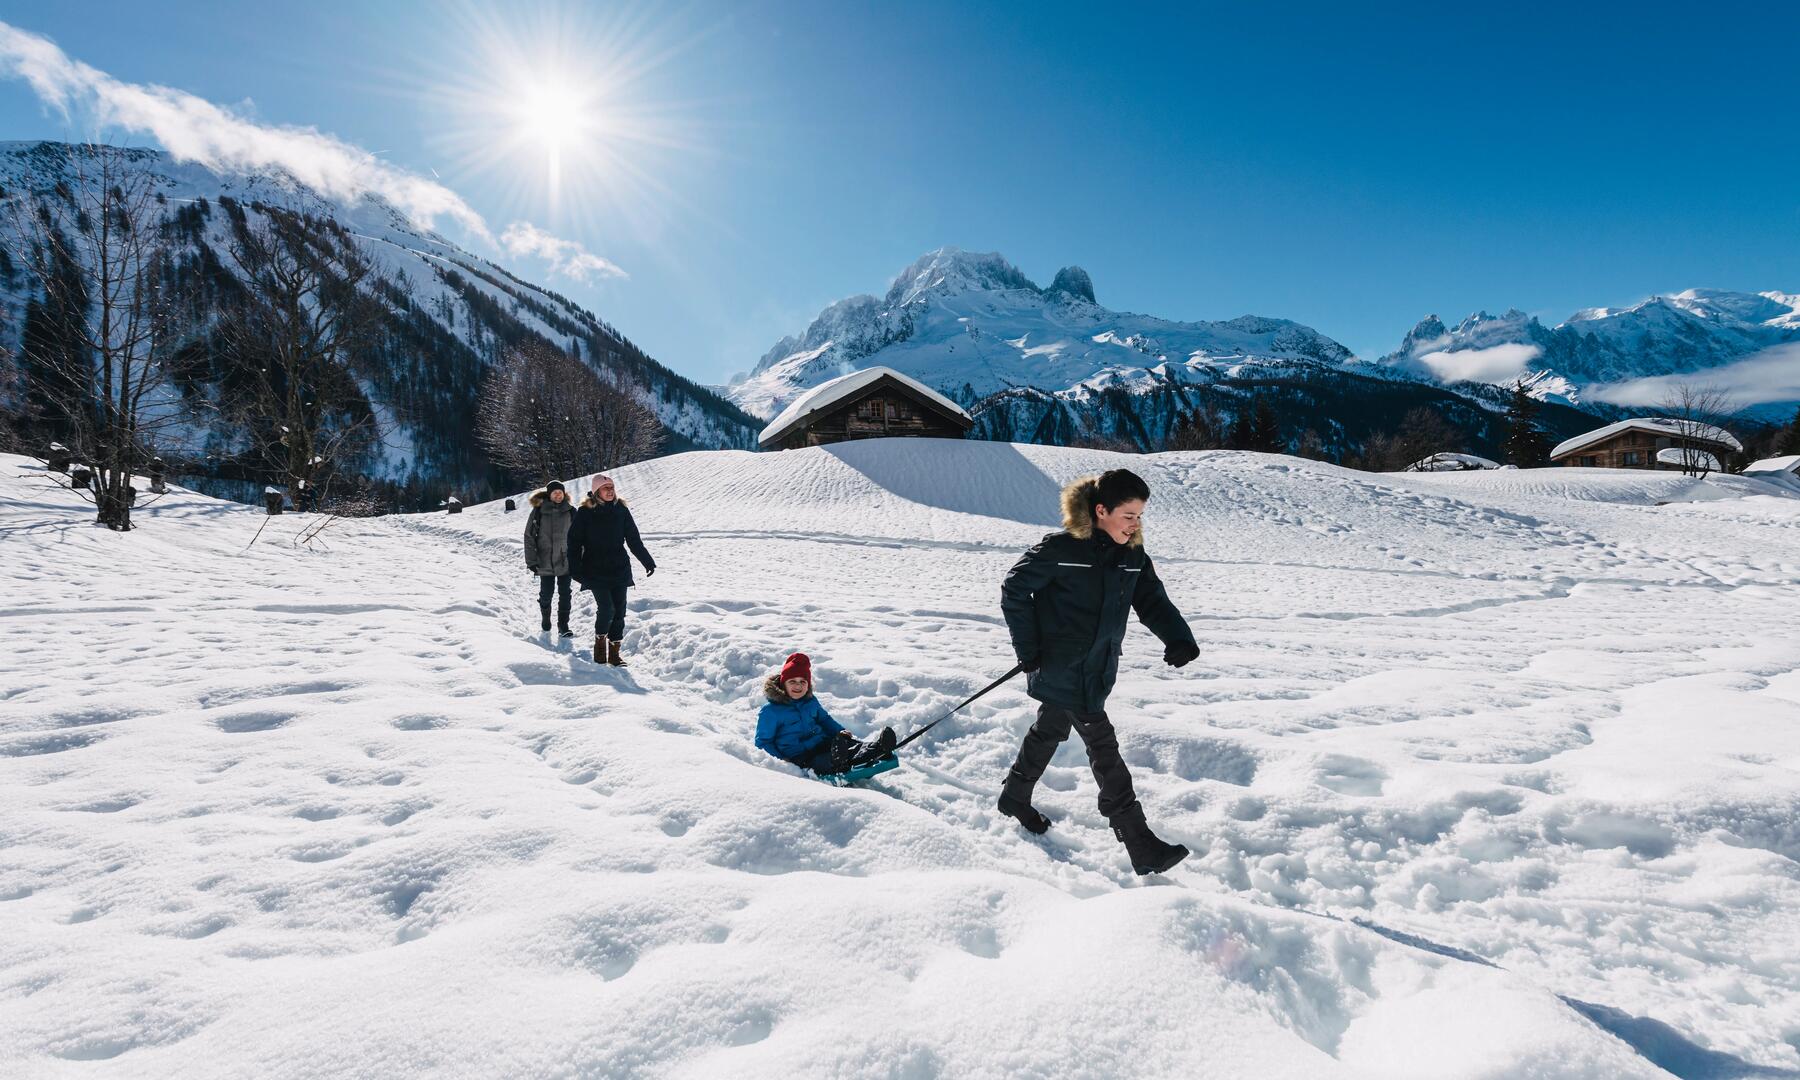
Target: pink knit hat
(601, 480)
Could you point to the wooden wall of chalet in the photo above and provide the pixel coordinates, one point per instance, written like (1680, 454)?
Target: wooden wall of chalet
(1634, 450)
(883, 412)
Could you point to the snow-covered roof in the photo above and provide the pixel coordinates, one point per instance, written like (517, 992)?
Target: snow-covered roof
(1656, 425)
(1788, 465)
(1687, 457)
(1447, 462)
(834, 391)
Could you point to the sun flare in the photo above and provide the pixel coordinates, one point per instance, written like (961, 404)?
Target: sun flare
(553, 113)
(570, 109)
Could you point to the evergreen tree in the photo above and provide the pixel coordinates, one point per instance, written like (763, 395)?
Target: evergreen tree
(1264, 433)
(1789, 443)
(1526, 445)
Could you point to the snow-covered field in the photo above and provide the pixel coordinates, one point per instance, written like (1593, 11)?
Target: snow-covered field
(1486, 775)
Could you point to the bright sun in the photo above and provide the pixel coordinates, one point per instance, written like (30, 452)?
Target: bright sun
(553, 114)
(565, 102)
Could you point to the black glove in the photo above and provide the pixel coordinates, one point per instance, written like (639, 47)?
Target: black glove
(651, 572)
(531, 569)
(1031, 665)
(1181, 655)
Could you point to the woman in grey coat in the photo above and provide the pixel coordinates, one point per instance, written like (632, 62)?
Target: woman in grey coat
(547, 551)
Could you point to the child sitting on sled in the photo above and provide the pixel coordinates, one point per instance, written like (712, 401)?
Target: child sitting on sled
(795, 727)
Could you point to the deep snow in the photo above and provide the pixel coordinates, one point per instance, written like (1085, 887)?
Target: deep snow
(1487, 775)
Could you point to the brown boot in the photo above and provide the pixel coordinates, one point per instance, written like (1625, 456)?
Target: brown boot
(612, 653)
(599, 650)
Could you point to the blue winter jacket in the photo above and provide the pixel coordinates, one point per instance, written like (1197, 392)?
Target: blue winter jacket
(793, 730)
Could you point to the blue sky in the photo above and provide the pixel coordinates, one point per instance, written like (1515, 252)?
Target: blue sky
(746, 164)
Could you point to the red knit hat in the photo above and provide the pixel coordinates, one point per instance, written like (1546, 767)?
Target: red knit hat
(797, 667)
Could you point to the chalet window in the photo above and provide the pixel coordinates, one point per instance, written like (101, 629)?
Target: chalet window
(1590, 461)
(1634, 457)
(893, 411)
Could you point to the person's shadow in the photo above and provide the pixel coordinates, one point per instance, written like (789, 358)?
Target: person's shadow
(985, 478)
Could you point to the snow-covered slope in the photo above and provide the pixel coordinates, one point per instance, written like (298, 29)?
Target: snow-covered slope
(449, 315)
(1692, 331)
(1486, 774)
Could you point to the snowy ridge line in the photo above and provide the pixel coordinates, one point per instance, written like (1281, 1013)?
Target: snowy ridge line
(1165, 557)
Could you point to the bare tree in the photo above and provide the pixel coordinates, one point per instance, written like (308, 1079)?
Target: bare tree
(308, 309)
(1424, 432)
(546, 415)
(1698, 414)
(107, 322)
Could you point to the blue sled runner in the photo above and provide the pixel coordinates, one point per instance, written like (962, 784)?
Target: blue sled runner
(861, 772)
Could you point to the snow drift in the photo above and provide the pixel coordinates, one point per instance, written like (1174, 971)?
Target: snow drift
(1486, 774)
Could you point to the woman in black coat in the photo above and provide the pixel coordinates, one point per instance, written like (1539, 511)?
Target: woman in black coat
(602, 531)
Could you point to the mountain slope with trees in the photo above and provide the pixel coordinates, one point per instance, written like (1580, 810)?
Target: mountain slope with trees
(299, 340)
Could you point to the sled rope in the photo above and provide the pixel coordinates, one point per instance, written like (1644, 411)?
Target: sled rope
(972, 698)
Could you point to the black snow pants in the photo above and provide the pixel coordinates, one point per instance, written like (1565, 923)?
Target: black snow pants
(559, 585)
(1117, 796)
(609, 610)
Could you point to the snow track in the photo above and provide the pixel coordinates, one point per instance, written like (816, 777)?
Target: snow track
(345, 812)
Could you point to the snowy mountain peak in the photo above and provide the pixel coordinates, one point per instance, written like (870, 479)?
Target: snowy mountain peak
(950, 271)
(1674, 334)
(973, 325)
(1073, 281)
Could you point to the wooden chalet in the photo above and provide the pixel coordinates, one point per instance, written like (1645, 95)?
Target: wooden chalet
(1648, 443)
(875, 403)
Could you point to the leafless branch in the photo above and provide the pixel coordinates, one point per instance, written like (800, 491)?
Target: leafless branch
(1699, 413)
(545, 415)
(106, 319)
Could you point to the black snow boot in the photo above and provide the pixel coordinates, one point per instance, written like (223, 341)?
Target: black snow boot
(843, 751)
(1035, 823)
(847, 753)
(1149, 854)
(545, 612)
(563, 630)
(875, 749)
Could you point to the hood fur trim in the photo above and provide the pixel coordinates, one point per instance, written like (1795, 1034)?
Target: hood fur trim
(1078, 510)
(541, 498)
(775, 692)
(589, 502)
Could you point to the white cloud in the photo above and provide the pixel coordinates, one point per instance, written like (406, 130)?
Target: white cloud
(1770, 375)
(1495, 364)
(194, 129)
(566, 257)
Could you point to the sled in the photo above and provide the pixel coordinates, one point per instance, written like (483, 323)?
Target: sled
(861, 772)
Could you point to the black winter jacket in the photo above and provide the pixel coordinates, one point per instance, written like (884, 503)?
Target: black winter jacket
(1066, 604)
(597, 543)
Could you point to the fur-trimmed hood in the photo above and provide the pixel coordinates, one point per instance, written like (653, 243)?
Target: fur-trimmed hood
(541, 497)
(777, 693)
(1078, 510)
(588, 501)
